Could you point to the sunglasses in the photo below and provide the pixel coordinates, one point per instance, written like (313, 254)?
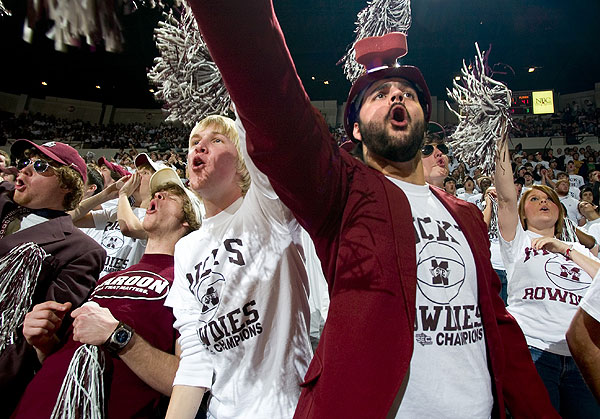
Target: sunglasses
(428, 149)
(40, 166)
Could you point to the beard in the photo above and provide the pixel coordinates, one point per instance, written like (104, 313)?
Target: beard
(391, 147)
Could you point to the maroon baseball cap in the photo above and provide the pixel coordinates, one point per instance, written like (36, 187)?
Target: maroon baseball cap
(59, 152)
(378, 55)
(113, 166)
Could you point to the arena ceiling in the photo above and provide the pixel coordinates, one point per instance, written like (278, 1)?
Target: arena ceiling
(560, 38)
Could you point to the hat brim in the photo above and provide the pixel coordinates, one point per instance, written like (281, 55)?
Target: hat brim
(168, 175)
(18, 149)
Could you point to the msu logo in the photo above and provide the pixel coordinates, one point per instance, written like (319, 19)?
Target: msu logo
(210, 300)
(112, 242)
(439, 272)
(572, 273)
(566, 276)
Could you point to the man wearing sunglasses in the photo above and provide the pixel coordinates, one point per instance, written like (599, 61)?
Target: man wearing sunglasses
(434, 156)
(413, 311)
(50, 182)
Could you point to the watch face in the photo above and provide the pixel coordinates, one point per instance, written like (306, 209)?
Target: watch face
(121, 336)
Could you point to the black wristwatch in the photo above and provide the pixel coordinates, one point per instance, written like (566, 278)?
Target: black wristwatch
(119, 339)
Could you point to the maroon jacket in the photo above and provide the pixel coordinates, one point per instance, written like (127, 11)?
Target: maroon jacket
(68, 274)
(362, 228)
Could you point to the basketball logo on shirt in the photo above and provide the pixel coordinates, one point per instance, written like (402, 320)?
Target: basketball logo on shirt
(440, 272)
(566, 276)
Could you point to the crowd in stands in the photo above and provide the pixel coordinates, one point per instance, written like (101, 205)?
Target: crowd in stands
(198, 282)
(43, 128)
(573, 121)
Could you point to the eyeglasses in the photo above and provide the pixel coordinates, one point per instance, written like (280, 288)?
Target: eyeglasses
(428, 149)
(40, 166)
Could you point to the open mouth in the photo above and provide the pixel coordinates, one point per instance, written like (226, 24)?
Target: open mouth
(152, 207)
(398, 116)
(197, 162)
(19, 185)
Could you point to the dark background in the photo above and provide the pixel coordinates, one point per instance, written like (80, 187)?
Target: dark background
(561, 38)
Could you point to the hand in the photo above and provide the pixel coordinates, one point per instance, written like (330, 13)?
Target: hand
(41, 324)
(550, 244)
(113, 190)
(93, 324)
(130, 185)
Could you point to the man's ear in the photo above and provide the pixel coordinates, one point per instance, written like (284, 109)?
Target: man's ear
(356, 132)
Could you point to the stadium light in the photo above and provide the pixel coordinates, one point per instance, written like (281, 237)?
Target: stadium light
(44, 83)
(531, 69)
(326, 82)
(97, 86)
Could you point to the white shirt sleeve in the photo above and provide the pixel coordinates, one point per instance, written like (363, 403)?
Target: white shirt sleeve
(591, 302)
(195, 365)
(509, 250)
(101, 217)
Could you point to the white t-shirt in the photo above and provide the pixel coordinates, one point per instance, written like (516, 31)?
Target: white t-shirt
(571, 206)
(588, 225)
(493, 234)
(594, 231)
(477, 200)
(465, 195)
(574, 193)
(591, 303)
(544, 290)
(93, 232)
(449, 375)
(318, 300)
(240, 303)
(121, 251)
(576, 181)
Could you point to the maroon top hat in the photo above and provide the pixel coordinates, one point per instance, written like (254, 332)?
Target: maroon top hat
(379, 54)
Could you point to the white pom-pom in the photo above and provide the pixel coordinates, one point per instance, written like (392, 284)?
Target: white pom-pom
(484, 116)
(187, 79)
(3, 10)
(82, 392)
(19, 270)
(377, 19)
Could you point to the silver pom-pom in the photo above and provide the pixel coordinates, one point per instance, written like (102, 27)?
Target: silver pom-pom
(569, 233)
(82, 392)
(19, 272)
(96, 21)
(187, 79)
(3, 10)
(484, 116)
(377, 19)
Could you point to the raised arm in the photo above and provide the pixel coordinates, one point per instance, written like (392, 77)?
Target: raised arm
(508, 216)
(288, 140)
(129, 223)
(81, 215)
